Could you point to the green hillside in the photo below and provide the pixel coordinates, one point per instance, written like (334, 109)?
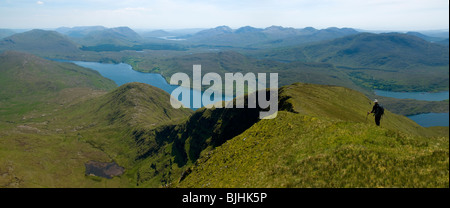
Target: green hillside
(29, 83)
(321, 139)
(304, 151)
(55, 117)
(32, 92)
(116, 121)
(24, 73)
(41, 42)
(50, 131)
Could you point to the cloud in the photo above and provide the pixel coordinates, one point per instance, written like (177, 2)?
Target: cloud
(40, 2)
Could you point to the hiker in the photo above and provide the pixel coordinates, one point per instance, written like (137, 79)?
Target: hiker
(378, 111)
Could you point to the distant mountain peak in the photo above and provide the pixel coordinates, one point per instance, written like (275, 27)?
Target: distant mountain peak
(278, 28)
(247, 29)
(215, 31)
(224, 28)
(309, 29)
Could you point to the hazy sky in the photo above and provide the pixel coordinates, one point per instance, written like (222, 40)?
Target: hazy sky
(170, 14)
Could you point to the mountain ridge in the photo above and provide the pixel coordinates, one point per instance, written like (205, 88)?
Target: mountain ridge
(321, 144)
(270, 37)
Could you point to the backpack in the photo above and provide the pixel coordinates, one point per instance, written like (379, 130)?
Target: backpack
(380, 110)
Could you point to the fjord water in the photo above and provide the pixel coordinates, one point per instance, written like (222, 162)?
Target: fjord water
(426, 119)
(431, 119)
(428, 96)
(123, 73)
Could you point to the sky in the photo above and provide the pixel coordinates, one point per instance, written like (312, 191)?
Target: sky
(177, 14)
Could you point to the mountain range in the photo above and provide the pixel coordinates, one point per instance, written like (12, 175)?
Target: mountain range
(387, 61)
(274, 36)
(223, 36)
(386, 50)
(99, 35)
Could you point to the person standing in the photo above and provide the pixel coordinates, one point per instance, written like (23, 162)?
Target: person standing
(378, 111)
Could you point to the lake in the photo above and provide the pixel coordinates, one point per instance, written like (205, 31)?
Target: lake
(431, 119)
(123, 73)
(426, 119)
(437, 96)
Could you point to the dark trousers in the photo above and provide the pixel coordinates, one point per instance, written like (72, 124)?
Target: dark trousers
(377, 119)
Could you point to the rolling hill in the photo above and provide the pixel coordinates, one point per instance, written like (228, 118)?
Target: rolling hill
(30, 84)
(120, 36)
(94, 36)
(56, 117)
(379, 51)
(388, 61)
(156, 34)
(32, 91)
(426, 37)
(28, 75)
(79, 32)
(387, 50)
(40, 42)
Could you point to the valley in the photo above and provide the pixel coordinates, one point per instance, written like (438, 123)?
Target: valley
(60, 113)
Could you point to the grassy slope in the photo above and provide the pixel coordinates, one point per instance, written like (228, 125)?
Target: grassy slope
(343, 104)
(54, 117)
(115, 121)
(57, 116)
(33, 90)
(183, 143)
(324, 145)
(105, 127)
(28, 82)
